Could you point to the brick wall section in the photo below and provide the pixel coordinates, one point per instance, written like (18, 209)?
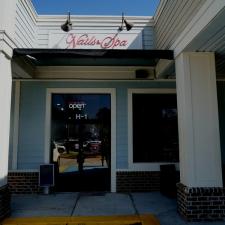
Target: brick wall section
(138, 181)
(4, 202)
(23, 182)
(201, 204)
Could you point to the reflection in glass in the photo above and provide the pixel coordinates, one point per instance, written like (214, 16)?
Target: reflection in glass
(155, 129)
(81, 131)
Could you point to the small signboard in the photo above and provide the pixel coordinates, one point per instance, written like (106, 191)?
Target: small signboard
(95, 40)
(46, 175)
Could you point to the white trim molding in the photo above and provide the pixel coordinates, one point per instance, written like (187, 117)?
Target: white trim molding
(6, 44)
(200, 21)
(24, 171)
(16, 125)
(141, 166)
(159, 10)
(110, 91)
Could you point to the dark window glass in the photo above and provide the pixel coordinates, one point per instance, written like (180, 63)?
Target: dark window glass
(155, 132)
(81, 131)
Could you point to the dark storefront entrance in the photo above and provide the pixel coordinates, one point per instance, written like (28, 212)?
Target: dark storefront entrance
(81, 141)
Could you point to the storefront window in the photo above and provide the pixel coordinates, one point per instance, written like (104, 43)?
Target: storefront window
(155, 132)
(81, 131)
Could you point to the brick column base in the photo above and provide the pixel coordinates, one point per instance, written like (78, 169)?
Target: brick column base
(201, 204)
(4, 202)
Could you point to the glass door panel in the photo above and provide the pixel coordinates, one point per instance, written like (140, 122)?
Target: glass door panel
(81, 133)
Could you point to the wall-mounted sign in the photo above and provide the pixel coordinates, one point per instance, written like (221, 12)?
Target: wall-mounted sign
(74, 40)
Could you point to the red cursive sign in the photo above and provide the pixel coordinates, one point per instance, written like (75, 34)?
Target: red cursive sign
(108, 42)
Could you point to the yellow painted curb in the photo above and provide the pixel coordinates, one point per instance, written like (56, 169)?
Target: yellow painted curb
(147, 219)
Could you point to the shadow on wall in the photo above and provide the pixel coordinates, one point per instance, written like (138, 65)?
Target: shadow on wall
(223, 174)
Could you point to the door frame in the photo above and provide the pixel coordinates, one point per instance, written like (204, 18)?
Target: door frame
(112, 93)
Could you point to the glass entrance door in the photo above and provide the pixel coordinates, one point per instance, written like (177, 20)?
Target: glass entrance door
(81, 141)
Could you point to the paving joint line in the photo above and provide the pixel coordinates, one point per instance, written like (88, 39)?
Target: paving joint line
(133, 204)
(75, 204)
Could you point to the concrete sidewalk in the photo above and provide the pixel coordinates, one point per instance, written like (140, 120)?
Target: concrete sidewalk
(97, 204)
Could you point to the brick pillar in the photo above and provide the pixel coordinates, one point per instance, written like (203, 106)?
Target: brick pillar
(197, 204)
(200, 194)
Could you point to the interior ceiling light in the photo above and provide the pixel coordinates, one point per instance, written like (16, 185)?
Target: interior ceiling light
(67, 26)
(127, 25)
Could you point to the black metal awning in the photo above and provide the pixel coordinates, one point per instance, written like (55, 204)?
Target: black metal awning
(91, 57)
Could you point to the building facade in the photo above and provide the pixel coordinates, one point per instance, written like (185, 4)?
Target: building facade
(109, 108)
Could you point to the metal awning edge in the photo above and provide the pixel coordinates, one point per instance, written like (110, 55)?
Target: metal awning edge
(96, 53)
